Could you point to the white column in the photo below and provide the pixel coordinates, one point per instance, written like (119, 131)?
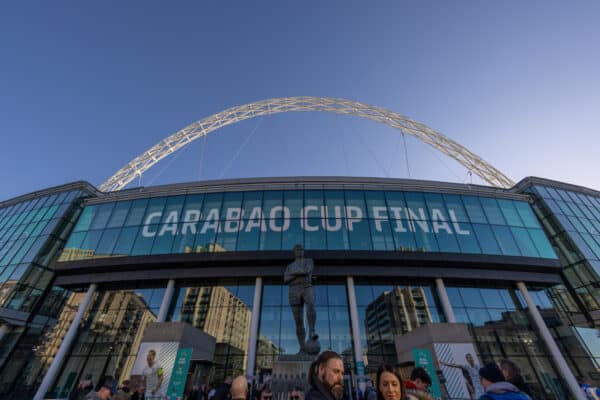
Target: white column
(65, 345)
(354, 324)
(252, 340)
(561, 364)
(166, 301)
(446, 306)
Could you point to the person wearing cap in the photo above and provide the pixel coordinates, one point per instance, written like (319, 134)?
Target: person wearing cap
(106, 390)
(495, 386)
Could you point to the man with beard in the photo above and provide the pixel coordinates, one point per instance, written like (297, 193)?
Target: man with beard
(326, 377)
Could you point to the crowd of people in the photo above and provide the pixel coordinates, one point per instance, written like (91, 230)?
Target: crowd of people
(500, 381)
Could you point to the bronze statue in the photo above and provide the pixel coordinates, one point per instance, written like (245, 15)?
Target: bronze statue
(298, 275)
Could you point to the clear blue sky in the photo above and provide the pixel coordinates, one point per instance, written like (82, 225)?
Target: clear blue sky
(87, 86)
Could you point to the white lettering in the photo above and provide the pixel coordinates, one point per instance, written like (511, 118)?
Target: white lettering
(325, 218)
(232, 224)
(355, 215)
(397, 211)
(256, 220)
(145, 231)
(170, 224)
(212, 221)
(436, 216)
(414, 219)
(456, 225)
(273, 217)
(191, 217)
(304, 221)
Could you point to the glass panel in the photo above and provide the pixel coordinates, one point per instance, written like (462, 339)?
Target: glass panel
(376, 205)
(524, 242)
(486, 239)
(192, 208)
(136, 213)
(292, 199)
(506, 241)
(85, 219)
(117, 219)
(510, 212)
(381, 235)
(294, 235)
(102, 215)
(541, 243)
(526, 214)
(125, 242)
(492, 211)
(467, 240)
(108, 241)
(474, 209)
(154, 210)
(271, 239)
(172, 211)
(447, 242)
(314, 235)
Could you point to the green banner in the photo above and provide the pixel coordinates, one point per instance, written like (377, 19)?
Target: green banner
(179, 374)
(423, 359)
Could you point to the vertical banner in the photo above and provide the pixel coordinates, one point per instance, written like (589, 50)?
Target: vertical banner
(423, 359)
(460, 367)
(153, 365)
(179, 374)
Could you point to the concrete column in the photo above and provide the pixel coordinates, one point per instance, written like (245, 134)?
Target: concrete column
(65, 345)
(355, 324)
(561, 364)
(252, 340)
(446, 306)
(166, 301)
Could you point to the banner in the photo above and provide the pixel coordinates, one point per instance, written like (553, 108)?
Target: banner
(423, 359)
(179, 376)
(154, 363)
(460, 367)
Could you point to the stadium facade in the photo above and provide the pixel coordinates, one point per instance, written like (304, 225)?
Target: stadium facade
(86, 273)
(105, 282)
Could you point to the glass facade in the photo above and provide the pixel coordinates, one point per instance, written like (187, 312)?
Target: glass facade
(34, 232)
(317, 219)
(31, 232)
(572, 221)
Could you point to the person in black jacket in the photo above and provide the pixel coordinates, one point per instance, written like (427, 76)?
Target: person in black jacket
(512, 374)
(326, 377)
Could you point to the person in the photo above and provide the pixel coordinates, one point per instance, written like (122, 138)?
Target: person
(80, 391)
(222, 391)
(106, 390)
(298, 275)
(495, 387)
(195, 393)
(370, 392)
(418, 385)
(124, 390)
(470, 371)
(153, 374)
(139, 394)
(265, 393)
(389, 384)
(296, 393)
(211, 391)
(326, 377)
(239, 388)
(512, 374)
(591, 392)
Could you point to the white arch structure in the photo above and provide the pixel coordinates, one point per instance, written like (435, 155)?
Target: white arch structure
(232, 115)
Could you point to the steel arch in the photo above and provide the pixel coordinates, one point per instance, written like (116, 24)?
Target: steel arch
(232, 115)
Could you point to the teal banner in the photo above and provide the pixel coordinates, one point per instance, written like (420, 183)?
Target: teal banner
(179, 374)
(423, 359)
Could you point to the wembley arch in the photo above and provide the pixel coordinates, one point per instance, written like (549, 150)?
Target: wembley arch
(235, 114)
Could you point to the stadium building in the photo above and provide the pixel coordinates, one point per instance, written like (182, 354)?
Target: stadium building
(91, 278)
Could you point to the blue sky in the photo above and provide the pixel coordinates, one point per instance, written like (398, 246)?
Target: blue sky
(87, 86)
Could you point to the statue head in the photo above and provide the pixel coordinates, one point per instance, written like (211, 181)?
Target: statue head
(298, 251)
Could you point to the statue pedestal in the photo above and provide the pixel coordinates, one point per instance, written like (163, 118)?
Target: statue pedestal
(288, 371)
